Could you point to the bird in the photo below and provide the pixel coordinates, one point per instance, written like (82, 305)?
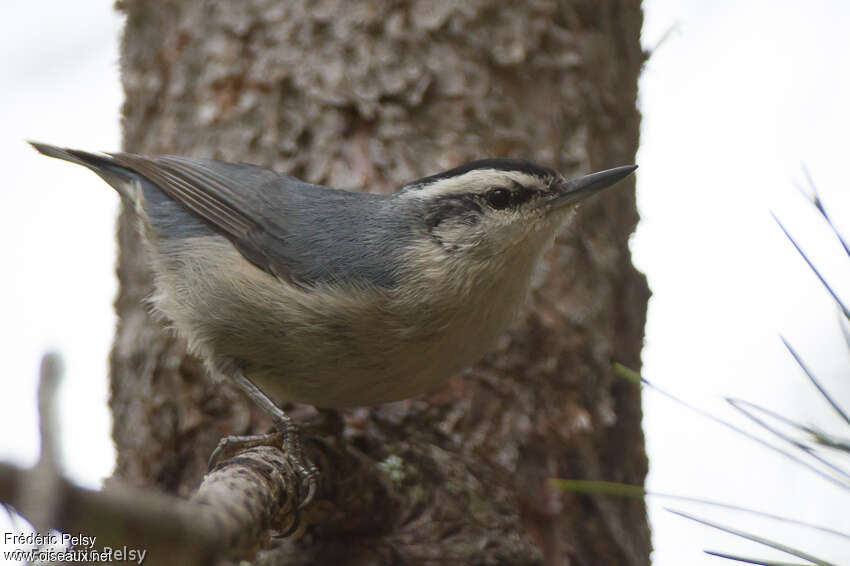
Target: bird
(304, 293)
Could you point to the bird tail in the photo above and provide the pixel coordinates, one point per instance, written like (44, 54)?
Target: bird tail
(120, 178)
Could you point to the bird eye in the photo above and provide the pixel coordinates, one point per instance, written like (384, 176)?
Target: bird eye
(499, 198)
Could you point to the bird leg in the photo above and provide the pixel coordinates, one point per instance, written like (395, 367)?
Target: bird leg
(287, 437)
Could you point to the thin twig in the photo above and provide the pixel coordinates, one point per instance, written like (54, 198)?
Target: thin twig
(816, 383)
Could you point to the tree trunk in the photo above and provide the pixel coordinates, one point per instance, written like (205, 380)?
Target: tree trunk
(371, 93)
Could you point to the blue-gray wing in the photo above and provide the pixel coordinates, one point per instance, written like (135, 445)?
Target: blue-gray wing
(225, 195)
(296, 231)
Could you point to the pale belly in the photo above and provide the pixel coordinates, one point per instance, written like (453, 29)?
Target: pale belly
(328, 346)
(334, 371)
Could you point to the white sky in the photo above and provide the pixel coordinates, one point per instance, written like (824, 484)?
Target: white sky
(734, 101)
(737, 97)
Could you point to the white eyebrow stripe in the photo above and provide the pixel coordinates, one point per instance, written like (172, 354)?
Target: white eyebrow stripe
(470, 181)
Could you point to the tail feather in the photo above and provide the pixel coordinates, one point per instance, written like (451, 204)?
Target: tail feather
(72, 155)
(120, 178)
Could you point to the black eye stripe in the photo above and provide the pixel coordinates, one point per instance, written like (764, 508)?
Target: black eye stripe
(522, 195)
(453, 207)
(467, 207)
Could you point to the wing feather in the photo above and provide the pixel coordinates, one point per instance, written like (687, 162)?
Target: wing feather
(189, 184)
(219, 201)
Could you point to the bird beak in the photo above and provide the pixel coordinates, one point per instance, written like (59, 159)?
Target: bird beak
(577, 189)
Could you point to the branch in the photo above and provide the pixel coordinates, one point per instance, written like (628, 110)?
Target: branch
(238, 506)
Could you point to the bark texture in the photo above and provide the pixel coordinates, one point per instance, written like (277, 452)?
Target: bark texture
(371, 93)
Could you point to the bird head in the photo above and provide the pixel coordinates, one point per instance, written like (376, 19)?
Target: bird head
(496, 206)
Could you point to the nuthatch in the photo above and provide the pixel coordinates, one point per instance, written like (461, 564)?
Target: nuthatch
(334, 298)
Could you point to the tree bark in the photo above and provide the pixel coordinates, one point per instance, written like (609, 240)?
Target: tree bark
(370, 93)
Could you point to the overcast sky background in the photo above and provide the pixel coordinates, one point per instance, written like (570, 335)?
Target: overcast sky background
(736, 98)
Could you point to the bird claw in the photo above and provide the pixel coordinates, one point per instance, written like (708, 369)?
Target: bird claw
(288, 439)
(308, 473)
(230, 446)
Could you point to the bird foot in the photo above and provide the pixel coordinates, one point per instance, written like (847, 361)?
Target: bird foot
(288, 439)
